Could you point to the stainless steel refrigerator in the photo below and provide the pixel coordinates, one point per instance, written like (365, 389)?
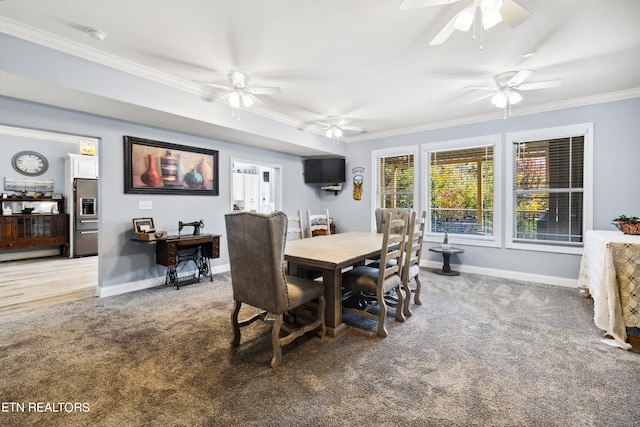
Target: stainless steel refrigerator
(85, 230)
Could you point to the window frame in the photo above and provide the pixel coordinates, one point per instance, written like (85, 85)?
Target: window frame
(494, 140)
(391, 152)
(582, 129)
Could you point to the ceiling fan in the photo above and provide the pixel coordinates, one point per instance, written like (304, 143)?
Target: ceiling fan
(491, 13)
(507, 88)
(239, 90)
(333, 127)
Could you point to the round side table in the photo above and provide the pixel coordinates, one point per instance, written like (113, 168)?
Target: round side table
(446, 255)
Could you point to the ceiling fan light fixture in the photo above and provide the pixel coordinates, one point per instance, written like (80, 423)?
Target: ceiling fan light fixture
(499, 100)
(234, 100)
(491, 18)
(491, 5)
(513, 96)
(465, 18)
(247, 101)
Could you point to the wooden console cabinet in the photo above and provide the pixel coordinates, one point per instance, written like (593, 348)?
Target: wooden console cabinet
(26, 231)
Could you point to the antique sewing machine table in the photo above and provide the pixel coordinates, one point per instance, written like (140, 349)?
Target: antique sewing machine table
(174, 250)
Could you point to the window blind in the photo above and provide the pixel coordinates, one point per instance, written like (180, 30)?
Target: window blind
(548, 190)
(462, 190)
(394, 177)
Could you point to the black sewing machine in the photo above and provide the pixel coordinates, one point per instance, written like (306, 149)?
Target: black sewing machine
(197, 225)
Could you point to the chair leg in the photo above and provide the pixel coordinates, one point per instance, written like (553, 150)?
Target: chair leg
(382, 328)
(400, 306)
(275, 341)
(406, 309)
(234, 323)
(416, 298)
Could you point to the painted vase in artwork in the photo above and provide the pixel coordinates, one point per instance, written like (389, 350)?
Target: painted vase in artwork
(180, 172)
(193, 179)
(169, 168)
(151, 177)
(207, 173)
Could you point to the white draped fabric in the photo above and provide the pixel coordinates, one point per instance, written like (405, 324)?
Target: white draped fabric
(610, 273)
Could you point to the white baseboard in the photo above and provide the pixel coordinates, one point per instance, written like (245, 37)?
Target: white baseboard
(506, 274)
(28, 254)
(123, 288)
(107, 291)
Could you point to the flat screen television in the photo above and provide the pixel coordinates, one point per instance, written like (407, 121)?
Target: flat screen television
(324, 171)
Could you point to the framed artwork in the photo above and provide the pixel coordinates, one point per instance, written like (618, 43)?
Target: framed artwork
(155, 167)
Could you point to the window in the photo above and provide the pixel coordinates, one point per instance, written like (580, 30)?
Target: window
(462, 190)
(550, 187)
(394, 178)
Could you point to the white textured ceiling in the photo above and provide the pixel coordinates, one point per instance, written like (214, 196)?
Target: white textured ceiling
(365, 60)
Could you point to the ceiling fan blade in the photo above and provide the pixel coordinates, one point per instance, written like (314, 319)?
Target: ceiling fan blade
(414, 4)
(480, 98)
(481, 87)
(513, 14)
(520, 77)
(263, 90)
(540, 85)
(353, 128)
(212, 85)
(316, 127)
(445, 33)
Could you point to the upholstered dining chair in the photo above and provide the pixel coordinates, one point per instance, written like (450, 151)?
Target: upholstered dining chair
(411, 259)
(256, 245)
(380, 281)
(318, 222)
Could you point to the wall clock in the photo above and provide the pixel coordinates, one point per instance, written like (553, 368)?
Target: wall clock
(30, 163)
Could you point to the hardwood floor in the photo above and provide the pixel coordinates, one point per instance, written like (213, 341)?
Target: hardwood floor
(33, 283)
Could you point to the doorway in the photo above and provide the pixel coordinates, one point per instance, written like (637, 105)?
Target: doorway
(37, 277)
(255, 186)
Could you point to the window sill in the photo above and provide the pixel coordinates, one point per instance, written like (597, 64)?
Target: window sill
(455, 240)
(541, 247)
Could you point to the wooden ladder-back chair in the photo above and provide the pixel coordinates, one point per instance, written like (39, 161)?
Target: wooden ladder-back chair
(295, 229)
(380, 281)
(318, 222)
(256, 245)
(411, 259)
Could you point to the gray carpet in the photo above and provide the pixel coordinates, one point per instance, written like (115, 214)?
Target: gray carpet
(479, 351)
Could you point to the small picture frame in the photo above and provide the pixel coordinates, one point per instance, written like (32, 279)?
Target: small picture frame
(143, 225)
(56, 196)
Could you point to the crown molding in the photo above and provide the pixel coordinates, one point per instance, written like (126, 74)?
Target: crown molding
(60, 44)
(54, 42)
(499, 114)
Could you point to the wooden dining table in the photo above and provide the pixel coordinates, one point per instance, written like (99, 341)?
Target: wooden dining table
(329, 255)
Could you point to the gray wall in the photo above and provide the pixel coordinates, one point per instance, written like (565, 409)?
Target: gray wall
(121, 260)
(616, 150)
(53, 151)
(616, 154)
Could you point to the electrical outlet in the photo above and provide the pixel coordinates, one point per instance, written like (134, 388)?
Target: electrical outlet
(145, 204)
